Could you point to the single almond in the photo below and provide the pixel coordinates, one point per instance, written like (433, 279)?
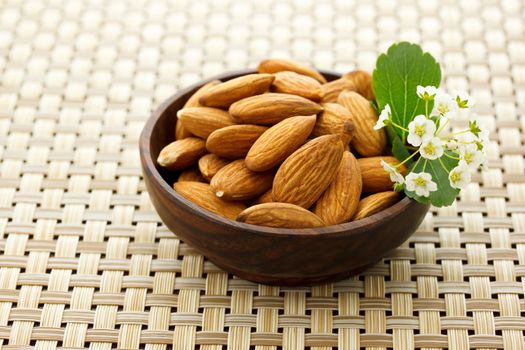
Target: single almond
(297, 84)
(333, 89)
(278, 142)
(282, 215)
(366, 141)
(224, 94)
(202, 121)
(180, 131)
(363, 83)
(375, 203)
(274, 65)
(338, 203)
(332, 121)
(271, 108)
(266, 197)
(375, 177)
(202, 195)
(306, 173)
(181, 154)
(192, 174)
(234, 141)
(210, 164)
(236, 182)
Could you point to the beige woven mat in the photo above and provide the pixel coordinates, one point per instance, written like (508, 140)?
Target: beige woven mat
(85, 260)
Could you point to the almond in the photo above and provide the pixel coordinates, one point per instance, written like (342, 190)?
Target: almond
(193, 101)
(332, 121)
(236, 182)
(193, 175)
(180, 131)
(363, 83)
(210, 164)
(234, 141)
(375, 178)
(282, 215)
(271, 108)
(338, 203)
(275, 65)
(266, 197)
(333, 89)
(297, 84)
(202, 121)
(366, 141)
(278, 142)
(375, 203)
(202, 195)
(224, 94)
(307, 172)
(181, 154)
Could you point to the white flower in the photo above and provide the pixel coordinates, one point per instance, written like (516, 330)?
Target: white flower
(459, 177)
(445, 105)
(427, 93)
(421, 183)
(383, 117)
(431, 149)
(420, 130)
(464, 100)
(395, 176)
(470, 156)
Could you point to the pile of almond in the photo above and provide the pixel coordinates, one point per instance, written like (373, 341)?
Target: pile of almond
(282, 148)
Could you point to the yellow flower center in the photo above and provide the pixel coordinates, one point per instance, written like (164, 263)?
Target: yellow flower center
(442, 108)
(468, 157)
(419, 130)
(430, 149)
(420, 182)
(455, 177)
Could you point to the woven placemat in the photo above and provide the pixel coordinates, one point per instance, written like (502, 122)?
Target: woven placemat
(86, 262)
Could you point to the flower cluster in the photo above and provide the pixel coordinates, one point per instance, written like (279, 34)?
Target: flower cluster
(429, 137)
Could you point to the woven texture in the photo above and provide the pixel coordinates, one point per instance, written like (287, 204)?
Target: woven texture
(85, 261)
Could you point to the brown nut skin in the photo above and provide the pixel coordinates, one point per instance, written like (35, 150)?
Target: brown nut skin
(366, 141)
(375, 203)
(210, 164)
(375, 177)
(271, 108)
(236, 182)
(224, 94)
(274, 65)
(338, 203)
(306, 173)
(278, 142)
(202, 195)
(234, 142)
(181, 154)
(282, 215)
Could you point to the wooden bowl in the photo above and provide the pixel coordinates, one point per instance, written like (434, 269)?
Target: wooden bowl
(262, 254)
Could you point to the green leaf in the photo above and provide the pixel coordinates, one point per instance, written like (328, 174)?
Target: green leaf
(399, 150)
(445, 194)
(395, 80)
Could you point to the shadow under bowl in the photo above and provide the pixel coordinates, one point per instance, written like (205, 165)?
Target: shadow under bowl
(287, 257)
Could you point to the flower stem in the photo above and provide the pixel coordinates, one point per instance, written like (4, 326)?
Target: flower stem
(398, 126)
(454, 134)
(441, 127)
(407, 159)
(426, 108)
(443, 165)
(424, 165)
(452, 157)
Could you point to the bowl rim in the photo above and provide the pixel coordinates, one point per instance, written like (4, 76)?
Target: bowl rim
(166, 190)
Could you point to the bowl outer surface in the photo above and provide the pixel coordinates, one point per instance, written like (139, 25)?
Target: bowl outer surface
(262, 254)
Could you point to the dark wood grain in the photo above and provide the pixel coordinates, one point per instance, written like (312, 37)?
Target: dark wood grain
(262, 254)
